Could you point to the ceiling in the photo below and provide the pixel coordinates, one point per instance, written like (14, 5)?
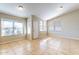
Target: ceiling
(45, 11)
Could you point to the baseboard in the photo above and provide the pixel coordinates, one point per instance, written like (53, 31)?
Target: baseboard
(64, 36)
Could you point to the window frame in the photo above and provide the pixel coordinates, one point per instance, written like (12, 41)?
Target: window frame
(13, 22)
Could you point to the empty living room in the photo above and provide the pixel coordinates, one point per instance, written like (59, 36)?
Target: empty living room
(39, 29)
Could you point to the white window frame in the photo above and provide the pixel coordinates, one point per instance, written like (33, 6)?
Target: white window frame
(6, 19)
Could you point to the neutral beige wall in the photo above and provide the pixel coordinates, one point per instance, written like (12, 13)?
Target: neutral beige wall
(69, 25)
(12, 38)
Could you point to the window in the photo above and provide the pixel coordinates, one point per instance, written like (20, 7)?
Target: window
(6, 28)
(18, 28)
(9, 27)
(42, 25)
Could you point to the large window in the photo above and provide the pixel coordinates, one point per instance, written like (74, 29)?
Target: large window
(6, 28)
(18, 28)
(9, 27)
(42, 25)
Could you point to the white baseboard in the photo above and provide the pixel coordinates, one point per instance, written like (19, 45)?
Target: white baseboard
(64, 36)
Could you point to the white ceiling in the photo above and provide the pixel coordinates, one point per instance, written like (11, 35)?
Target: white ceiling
(43, 10)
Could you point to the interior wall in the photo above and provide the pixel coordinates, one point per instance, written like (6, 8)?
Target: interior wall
(35, 27)
(69, 25)
(29, 28)
(5, 39)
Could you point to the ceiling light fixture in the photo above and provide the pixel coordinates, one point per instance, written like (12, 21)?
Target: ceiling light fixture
(61, 7)
(20, 7)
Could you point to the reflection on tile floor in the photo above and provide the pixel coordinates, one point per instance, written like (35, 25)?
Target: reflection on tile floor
(46, 46)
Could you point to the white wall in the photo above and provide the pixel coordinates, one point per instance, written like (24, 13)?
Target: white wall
(35, 27)
(29, 28)
(69, 25)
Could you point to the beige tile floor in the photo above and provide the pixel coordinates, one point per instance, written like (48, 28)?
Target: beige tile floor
(45, 46)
